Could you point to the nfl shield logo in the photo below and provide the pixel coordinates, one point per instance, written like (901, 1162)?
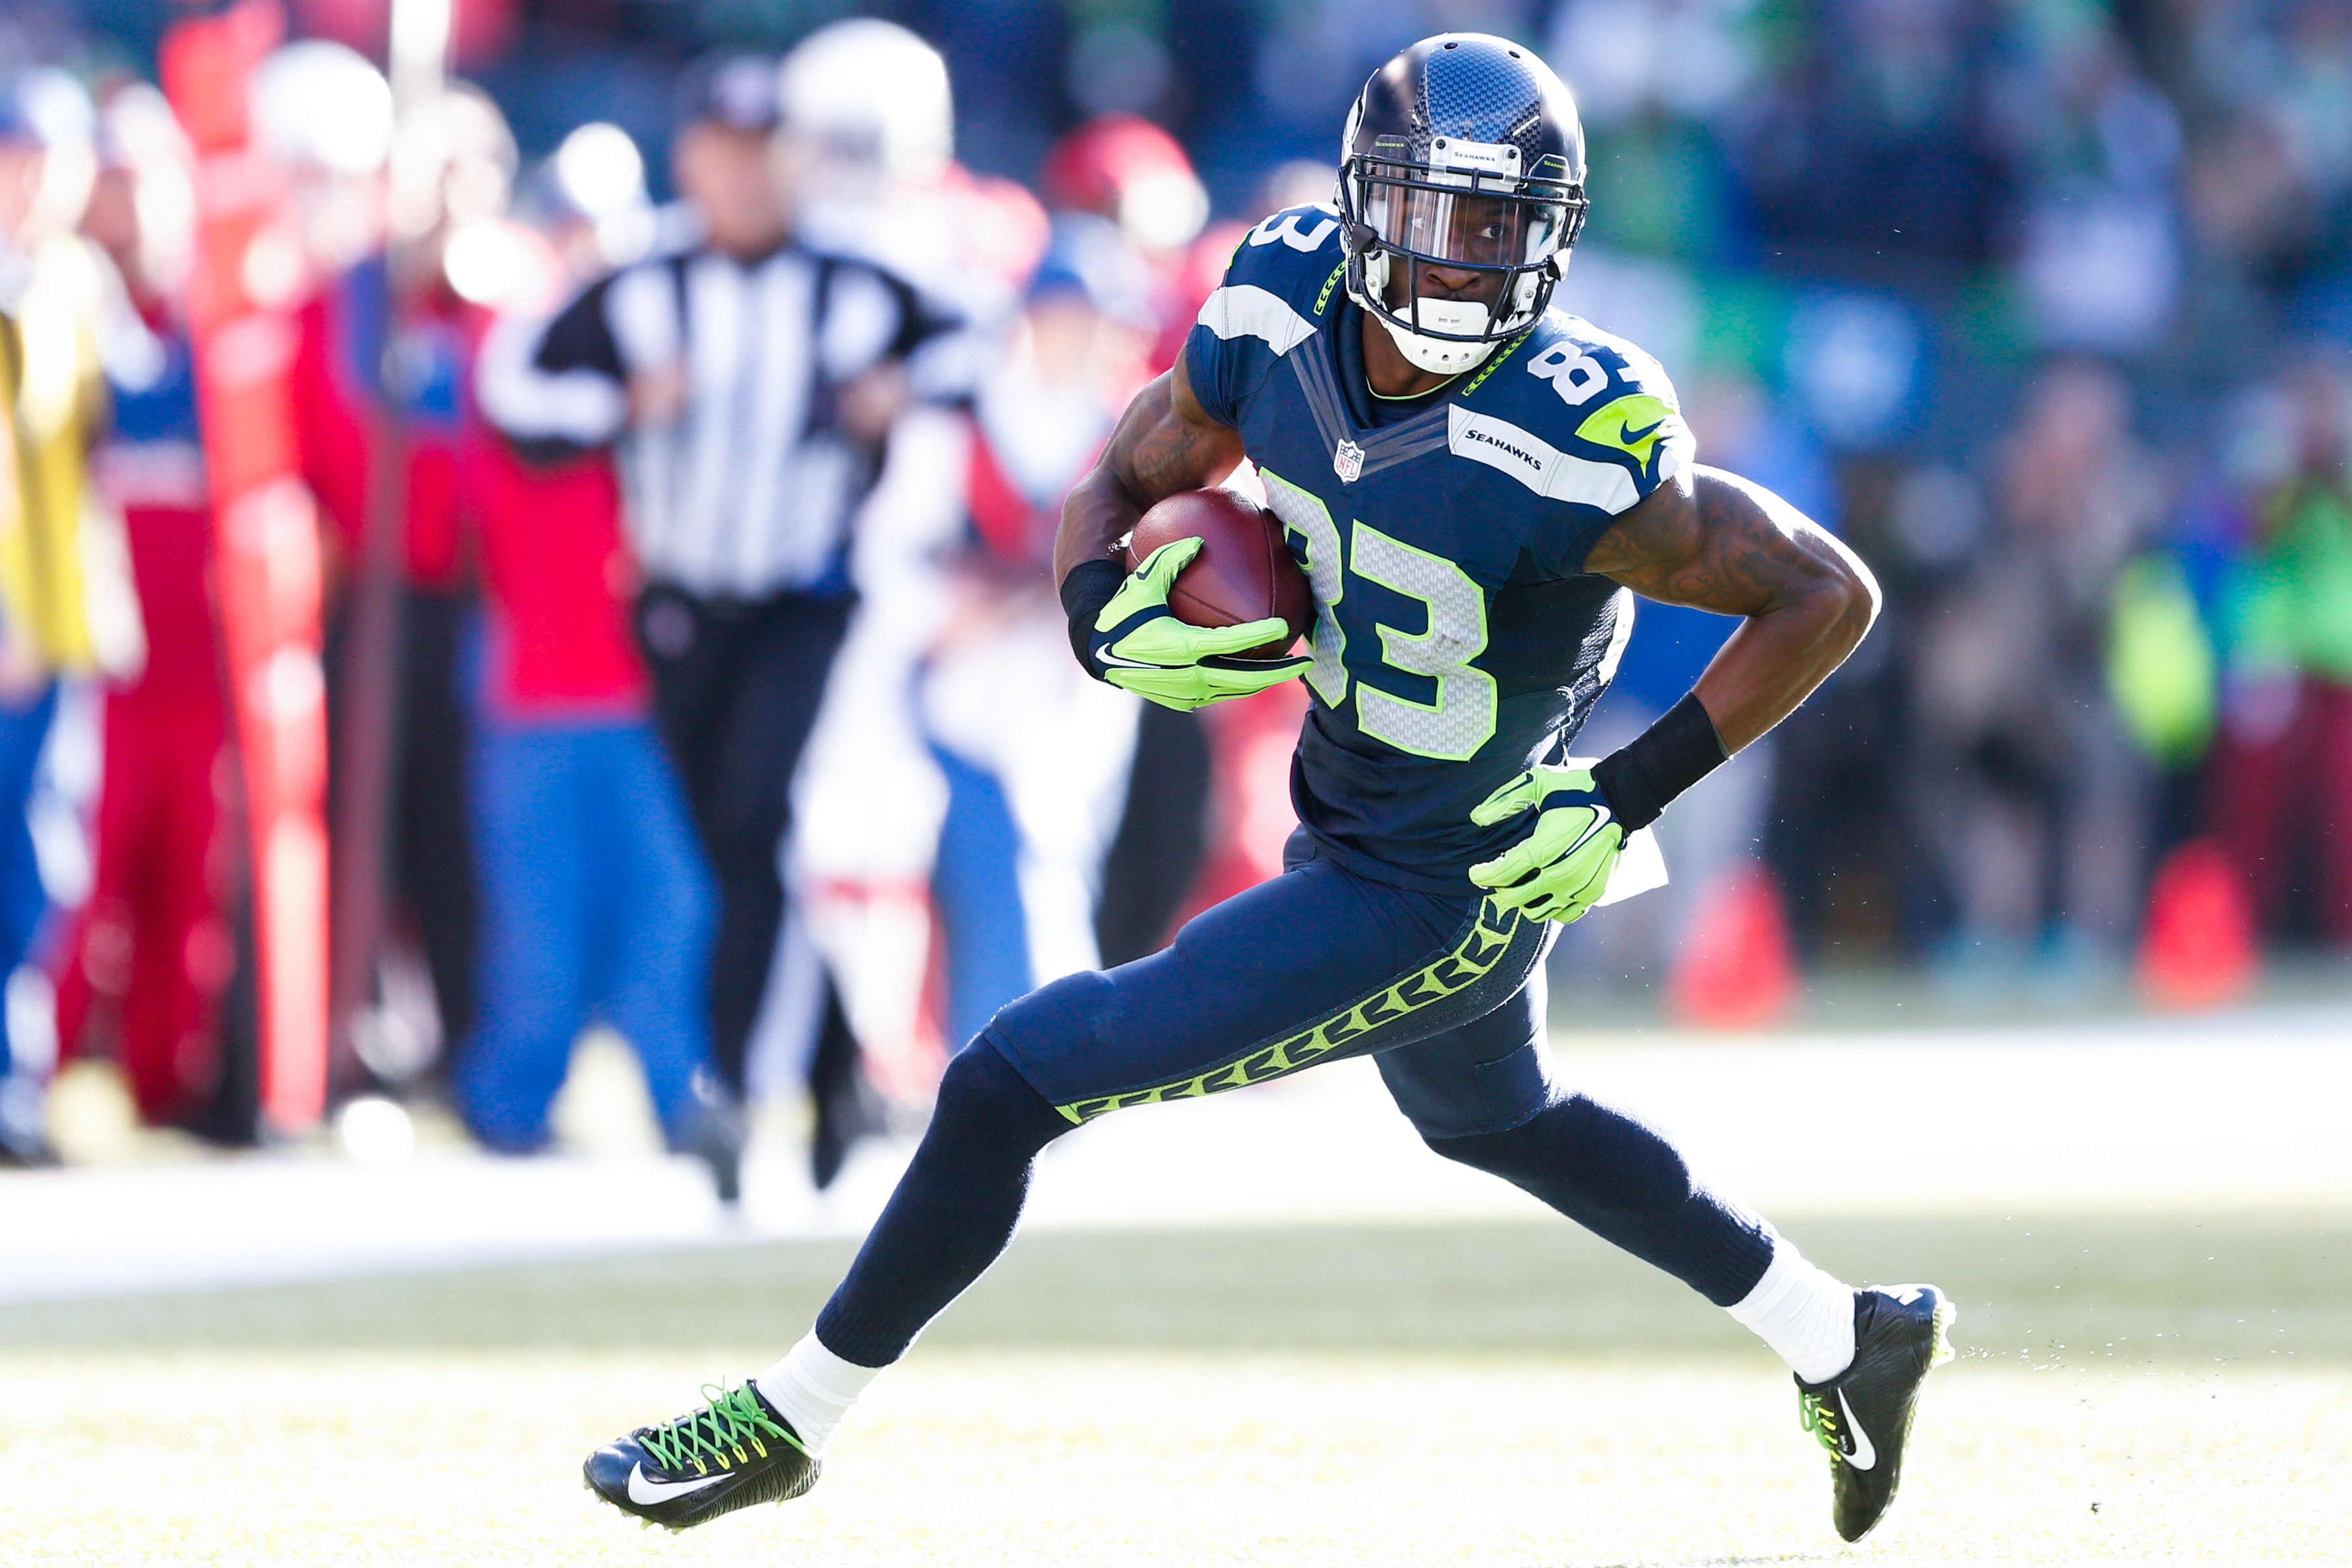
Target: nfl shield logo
(1348, 462)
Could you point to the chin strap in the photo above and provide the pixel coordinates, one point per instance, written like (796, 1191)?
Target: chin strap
(1439, 356)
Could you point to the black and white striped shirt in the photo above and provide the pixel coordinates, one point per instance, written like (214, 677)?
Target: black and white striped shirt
(752, 489)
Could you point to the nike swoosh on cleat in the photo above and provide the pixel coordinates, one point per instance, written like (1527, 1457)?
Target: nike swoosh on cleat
(642, 1491)
(1863, 1457)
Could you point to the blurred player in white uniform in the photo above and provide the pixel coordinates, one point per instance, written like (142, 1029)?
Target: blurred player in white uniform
(949, 710)
(1036, 762)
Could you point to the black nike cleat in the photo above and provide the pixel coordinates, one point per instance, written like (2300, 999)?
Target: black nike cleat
(729, 1454)
(1863, 1415)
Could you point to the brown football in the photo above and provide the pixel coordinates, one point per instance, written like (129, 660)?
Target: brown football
(1244, 572)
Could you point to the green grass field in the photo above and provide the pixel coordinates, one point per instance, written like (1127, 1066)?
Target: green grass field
(2163, 1388)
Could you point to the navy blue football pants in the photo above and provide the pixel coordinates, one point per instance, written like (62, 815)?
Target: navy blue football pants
(1314, 965)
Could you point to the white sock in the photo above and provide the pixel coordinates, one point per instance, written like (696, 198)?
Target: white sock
(1803, 1311)
(812, 1388)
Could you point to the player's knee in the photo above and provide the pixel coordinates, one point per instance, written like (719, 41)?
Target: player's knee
(1629, 1164)
(982, 1091)
(974, 1077)
(1497, 1153)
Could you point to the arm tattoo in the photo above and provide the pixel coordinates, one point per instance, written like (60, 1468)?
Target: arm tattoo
(1155, 452)
(1719, 544)
(1165, 460)
(1715, 542)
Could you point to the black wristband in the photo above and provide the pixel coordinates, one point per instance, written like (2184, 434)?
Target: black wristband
(1642, 776)
(1090, 586)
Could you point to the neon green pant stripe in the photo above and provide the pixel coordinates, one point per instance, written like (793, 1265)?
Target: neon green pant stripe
(1482, 947)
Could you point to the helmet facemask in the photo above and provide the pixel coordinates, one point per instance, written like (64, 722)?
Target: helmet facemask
(1466, 207)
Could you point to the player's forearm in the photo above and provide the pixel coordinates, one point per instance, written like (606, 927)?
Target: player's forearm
(1164, 443)
(1775, 659)
(1097, 514)
(1103, 507)
(1715, 542)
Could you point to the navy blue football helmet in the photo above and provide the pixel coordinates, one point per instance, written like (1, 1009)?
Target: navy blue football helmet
(1464, 154)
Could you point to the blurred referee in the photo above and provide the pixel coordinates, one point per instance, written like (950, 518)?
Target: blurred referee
(747, 385)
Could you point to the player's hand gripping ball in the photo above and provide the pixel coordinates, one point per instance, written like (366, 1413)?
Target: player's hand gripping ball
(1562, 865)
(1140, 644)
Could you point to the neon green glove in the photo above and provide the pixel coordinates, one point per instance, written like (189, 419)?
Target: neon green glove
(1138, 643)
(1562, 865)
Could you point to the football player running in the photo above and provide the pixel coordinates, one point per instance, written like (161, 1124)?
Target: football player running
(1472, 481)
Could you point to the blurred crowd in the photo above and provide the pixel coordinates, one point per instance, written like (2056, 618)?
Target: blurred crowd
(567, 542)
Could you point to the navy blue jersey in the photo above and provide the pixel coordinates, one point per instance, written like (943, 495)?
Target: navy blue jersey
(1458, 636)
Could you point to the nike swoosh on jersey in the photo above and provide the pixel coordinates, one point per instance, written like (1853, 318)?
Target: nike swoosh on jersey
(642, 1491)
(1864, 1456)
(1612, 426)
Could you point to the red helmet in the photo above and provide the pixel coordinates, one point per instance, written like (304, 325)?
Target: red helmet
(1124, 168)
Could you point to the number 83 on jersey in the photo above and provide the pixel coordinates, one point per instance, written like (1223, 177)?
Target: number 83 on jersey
(1461, 717)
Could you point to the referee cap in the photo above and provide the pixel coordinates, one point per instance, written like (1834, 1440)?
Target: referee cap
(737, 92)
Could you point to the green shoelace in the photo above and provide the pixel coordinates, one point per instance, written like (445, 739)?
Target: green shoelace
(1820, 1417)
(726, 1432)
